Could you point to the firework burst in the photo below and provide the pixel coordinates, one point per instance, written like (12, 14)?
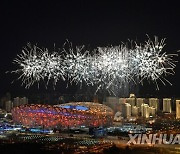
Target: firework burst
(108, 68)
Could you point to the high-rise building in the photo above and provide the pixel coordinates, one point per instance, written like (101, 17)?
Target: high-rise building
(126, 110)
(139, 102)
(8, 106)
(4, 99)
(131, 101)
(167, 105)
(154, 102)
(177, 109)
(121, 102)
(145, 110)
(20, 101)
(23, 101)
(135, 110)
(16, 102)
(152, 111)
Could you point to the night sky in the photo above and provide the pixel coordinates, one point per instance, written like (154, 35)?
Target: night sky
(92, 23)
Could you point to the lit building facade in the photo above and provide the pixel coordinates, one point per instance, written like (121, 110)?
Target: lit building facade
(131, 101)
(152, 111)
(145, 110)
(154, 102)
(135, 111)
(167, 105)
(23, 101)
(8, 106)
(16, 102)
(139, 102)
(126, 110)
(20, 101)
(64, 115)
(177, 109)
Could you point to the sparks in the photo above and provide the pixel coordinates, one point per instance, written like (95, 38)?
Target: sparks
(107, 68)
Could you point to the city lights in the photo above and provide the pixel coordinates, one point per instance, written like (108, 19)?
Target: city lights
(64, 115)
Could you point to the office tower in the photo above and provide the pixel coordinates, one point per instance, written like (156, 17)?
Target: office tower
(8, 96)
(152, 111)
(8, 106)
(154, 102)
(16, 102)
(4, 99)
(126, 110)
(23, 101)
(167, 105)
(139, 102)
(145, 110)
(20, 101)
(177, 109)
(131, 101)
(135, 110)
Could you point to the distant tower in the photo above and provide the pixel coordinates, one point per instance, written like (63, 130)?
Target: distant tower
(154, 102)
(167, 105)
(16, 102)
(177, 109)
(152, 111)
(135, 110)
(126, 110)
(23, 101)
(145, 110)
(131, 101)
(8, 106)
(20, 101)
(139, 102)
(8, 96)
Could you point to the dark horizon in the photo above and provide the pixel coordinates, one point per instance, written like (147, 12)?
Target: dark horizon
(90, 23)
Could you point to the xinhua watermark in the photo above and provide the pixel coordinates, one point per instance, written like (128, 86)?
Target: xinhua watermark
(154, 139)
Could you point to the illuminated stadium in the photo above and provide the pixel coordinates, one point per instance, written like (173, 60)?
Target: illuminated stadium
(64, 115)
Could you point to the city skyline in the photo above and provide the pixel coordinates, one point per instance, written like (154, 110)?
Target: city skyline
(120, 51)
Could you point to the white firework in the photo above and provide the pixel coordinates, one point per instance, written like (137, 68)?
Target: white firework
(38, 64)
(77, 65)
(112, 67)
(108, 68)
(151, 63)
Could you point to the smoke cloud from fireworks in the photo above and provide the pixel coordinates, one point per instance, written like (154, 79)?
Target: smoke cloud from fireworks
(104, 67)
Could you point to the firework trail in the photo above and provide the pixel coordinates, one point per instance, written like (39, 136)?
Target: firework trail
(107, 68)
